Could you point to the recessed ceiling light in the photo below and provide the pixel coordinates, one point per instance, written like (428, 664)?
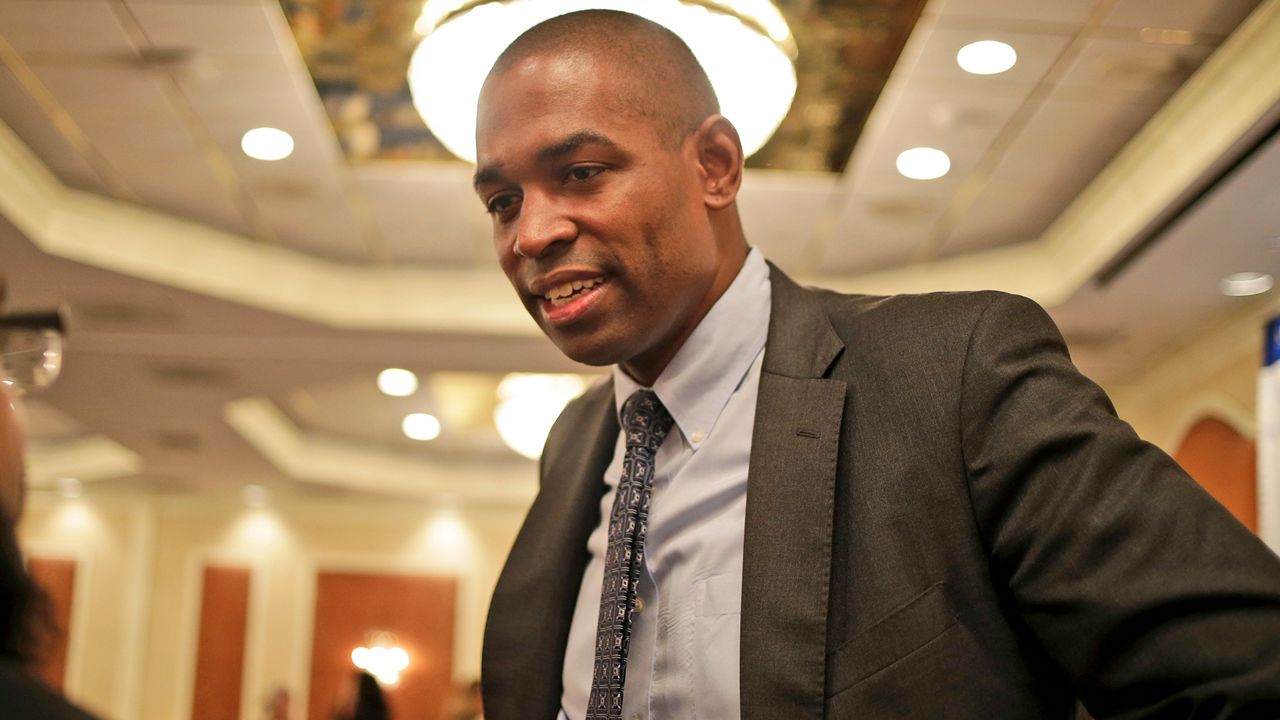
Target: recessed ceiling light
(397, 382)
(69, 487)
(1243, 284)
(987, 57)
(266, 143)
(421, 426)
(923, 163)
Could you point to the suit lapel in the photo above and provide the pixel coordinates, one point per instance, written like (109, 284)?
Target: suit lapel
(790, 500)
(532, 607)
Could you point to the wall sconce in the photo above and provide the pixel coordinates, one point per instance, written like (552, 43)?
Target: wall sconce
(382, 657)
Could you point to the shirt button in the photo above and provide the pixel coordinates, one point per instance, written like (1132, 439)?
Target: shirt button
(697, 436)
(639, 609)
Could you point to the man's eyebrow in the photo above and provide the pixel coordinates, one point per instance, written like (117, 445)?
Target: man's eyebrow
(486, 174)
(573, 142)
(493, 173)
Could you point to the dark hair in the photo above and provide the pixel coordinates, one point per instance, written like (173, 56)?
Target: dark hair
(371, 704)
(24, 609)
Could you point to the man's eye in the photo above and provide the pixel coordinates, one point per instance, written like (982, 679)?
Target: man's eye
(501, 203)
(582, 173)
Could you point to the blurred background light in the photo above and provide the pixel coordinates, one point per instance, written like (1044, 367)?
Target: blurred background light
(266, 143)
(923, 163)
(397, 382)
(421, 426)
(528, 405)
(986, 57)
(1244, 284)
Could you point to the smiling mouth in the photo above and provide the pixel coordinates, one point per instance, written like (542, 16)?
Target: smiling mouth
(568, 292)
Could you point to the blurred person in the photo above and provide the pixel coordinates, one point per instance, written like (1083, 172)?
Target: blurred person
(466, 703)
(276, 706)
(24, 622)
(364, 700)
(792, 503)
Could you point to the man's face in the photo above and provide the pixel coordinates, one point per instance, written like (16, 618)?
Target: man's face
(599, 224)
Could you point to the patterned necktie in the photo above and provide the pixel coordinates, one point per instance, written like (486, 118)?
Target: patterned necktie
(645, 423)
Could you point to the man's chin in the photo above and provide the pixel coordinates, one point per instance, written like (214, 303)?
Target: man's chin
(595, 351)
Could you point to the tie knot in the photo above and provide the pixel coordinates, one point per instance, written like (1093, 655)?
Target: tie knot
(645, 420)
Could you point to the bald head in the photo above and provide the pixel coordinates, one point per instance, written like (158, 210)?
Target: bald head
(657, 77)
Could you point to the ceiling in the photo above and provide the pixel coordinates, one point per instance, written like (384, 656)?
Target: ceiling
(229, 315)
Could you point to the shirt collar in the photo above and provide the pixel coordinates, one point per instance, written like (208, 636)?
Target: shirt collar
(697, 383)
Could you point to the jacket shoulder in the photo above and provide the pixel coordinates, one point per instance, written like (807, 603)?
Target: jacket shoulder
(936, 318)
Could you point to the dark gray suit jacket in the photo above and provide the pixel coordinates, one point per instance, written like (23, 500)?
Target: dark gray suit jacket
(944, 520)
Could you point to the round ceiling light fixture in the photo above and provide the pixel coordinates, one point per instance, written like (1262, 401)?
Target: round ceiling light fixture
(397, 382)
(923, 163)
(267, 143)
(745, 46)
(420, 426)
(1244, 284)
(986, 57)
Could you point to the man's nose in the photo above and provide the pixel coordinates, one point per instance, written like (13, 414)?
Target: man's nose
(543, 228)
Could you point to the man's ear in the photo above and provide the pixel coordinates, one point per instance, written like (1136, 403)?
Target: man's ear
(719, 161)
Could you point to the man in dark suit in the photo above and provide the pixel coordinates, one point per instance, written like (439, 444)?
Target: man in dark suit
(790, 503)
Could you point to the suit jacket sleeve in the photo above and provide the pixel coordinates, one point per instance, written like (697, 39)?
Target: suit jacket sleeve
(1145, 591)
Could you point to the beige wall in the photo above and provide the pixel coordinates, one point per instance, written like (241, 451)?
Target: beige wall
(1212, 371)
(135, 624)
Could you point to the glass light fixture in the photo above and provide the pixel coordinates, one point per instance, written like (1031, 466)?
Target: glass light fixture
(745, 46)
(397, 382)
(986, 57)
(923, 163)
(421, 426)
(267, 143)
(528, 406)
(383, 658)
(1244, 284)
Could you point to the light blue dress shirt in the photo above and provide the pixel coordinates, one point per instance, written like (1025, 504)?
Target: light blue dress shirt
(683, 662)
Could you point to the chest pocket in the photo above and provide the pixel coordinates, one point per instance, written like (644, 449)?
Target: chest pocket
(716, 642)
(905, 630)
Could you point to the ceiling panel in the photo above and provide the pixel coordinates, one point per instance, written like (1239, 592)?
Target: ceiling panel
(960, 124)
(427, 212)
(1069, 12)
(217, 27)
(127, 115)
(1064, 145)
(320, 225)
(1149, 72)
(1218, 17)
(877, 232)
(34, 128)
(934, 66)
(83, 28)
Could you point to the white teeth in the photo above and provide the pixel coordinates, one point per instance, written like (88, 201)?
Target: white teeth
(561, 292)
